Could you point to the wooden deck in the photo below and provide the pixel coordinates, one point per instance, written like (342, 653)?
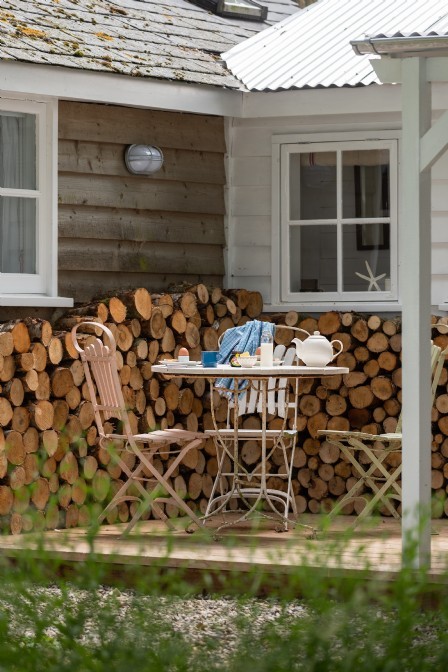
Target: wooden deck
(371, 552)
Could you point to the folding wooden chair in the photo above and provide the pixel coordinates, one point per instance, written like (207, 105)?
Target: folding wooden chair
(100, 368)
(368, 454)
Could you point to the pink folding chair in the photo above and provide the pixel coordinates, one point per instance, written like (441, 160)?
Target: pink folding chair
(100, 368)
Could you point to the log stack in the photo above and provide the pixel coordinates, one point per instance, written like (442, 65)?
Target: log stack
(367, 399)
(52, 471)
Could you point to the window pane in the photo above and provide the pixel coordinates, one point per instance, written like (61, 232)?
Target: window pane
(366, 244)
(313, 259)
(365, 183)
(17, 150)
(313, 185)
(17, 235)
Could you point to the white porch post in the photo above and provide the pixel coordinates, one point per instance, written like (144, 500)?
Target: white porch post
(415, 282)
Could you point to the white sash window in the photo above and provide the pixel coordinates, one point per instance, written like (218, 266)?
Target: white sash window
(338, 221)
(27, 215)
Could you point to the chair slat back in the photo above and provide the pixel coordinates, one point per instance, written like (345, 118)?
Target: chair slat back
(251, 401)
(437, 362)
(278, 387)
(101, 372)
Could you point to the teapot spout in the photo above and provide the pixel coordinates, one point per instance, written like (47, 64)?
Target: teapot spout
(298, 343)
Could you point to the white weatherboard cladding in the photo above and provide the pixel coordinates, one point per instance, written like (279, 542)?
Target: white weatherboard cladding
(312, 48)
(251, 201)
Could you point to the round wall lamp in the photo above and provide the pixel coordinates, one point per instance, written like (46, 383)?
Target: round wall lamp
(143, 159)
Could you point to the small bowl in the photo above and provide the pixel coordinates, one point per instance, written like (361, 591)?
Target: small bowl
(248, 361)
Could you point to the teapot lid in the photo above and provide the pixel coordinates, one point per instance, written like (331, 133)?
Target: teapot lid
(317, 334)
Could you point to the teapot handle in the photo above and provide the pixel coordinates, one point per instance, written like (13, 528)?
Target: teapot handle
(339, 351)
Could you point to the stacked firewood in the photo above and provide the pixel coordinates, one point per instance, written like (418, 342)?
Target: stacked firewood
(367, 399)
(52, 471)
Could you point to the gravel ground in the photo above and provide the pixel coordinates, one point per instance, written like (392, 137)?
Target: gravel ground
(207, 631)
(201, 620)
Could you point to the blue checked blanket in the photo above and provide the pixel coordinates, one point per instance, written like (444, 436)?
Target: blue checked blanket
(245, 338)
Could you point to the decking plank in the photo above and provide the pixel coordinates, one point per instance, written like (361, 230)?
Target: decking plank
(374, 551)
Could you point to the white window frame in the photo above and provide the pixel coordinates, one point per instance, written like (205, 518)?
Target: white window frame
(40, 289)
(283, 146)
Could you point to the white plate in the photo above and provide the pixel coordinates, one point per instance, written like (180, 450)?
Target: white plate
(277, 362)
(174, 362)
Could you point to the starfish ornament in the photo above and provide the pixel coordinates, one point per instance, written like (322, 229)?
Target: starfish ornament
(371, 279)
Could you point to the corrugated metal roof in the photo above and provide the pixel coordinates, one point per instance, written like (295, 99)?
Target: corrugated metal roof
(312, 48)
(164, 39)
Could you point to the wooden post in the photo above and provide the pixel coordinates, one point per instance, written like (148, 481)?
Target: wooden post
(415, 269)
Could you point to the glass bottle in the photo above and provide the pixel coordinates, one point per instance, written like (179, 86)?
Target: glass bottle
(266, 349)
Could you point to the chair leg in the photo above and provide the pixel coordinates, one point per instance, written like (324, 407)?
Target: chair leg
(366, 477)
(147, 499)
(144, 505)
(164, 482)
(120, 496)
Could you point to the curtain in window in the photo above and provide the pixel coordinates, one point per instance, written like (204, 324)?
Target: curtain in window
(17, 213)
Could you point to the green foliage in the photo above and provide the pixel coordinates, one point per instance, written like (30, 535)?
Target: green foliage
(149, 619)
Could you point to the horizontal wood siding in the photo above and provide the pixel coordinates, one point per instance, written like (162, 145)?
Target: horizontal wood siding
(250, 193)
(439, 231)
(118, 230)
(137, 256)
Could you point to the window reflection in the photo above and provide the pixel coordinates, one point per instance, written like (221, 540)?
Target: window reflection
(313, 186)
(313, 259)
(17, 235)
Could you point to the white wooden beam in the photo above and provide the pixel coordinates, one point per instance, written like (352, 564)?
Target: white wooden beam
(387, 69)
(415, 275)
(436, 69)
(322, 102)
(114, 89)
(434, 143)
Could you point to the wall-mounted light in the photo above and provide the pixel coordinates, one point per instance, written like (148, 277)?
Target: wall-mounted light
(143, 159)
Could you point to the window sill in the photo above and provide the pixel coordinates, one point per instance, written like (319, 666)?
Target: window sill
(35, 300)
(366, 307)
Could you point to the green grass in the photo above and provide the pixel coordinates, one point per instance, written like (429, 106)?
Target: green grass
(89, 620)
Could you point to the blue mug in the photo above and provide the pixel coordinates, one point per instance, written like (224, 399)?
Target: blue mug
(209, 358)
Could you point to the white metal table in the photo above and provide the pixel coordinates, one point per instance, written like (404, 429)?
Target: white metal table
(261, 376)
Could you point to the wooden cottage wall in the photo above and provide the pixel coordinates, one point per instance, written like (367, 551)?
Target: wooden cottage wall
(118, 230)
(249, 247)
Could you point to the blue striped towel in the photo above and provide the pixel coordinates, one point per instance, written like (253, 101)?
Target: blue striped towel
(245, 338)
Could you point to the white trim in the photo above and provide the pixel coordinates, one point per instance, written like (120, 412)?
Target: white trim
(115, 89)
(389, 69)
(323, 102)
(284, 145)
(44, 282)
(36, 300)
(276, 266)
(228, 250)
(434, 143)
(53, 191)
(320, 308)
(330, 136)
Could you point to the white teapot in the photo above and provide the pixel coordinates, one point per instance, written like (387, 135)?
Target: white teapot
(316, 350)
